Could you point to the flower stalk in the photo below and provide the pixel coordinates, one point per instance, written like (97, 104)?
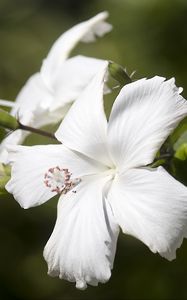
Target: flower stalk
(37, 131)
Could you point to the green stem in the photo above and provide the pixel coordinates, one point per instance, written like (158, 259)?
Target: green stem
(37, 131)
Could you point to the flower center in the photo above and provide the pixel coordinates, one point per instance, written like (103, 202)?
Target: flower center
(59, 180)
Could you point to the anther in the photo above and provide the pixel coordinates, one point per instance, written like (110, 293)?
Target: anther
(59, 180)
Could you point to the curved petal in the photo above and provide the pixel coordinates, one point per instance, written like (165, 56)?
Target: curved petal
(82, 246)
(60, 50)
(30, 164)
(31, 108)
(84, 127)
(143, 115)
(75, 74)
(34, 104)
(151, 205)
(33, 96)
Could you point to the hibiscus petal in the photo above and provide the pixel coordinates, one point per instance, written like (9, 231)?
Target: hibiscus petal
(31, 108)
(75, 74)
(82, 246)
(84, 127)
(30, 164)
(60, 50)
(143, 115)
(33, 96)
(151, 205)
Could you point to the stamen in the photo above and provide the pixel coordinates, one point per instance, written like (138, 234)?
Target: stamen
(59, 180)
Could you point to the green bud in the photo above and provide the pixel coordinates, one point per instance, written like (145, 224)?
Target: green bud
(118, 73)
(7, 121)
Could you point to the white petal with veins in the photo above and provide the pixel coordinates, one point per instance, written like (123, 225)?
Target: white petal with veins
(84, 127)
(152, 206)
(30, 164)
(61, 49)
(143, 115)
(82, 246)
(75, 74)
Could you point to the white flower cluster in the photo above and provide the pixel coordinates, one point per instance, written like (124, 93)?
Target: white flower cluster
(100, 170)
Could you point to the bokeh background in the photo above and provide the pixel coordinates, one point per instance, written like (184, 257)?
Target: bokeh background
(149, 36)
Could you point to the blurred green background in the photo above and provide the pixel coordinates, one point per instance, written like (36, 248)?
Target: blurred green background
(149, 36)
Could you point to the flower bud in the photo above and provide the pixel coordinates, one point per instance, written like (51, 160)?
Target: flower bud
(118, 73)
(7, 121)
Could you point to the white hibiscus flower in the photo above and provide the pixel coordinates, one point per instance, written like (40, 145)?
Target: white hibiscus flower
(101, 176)
(47, 95)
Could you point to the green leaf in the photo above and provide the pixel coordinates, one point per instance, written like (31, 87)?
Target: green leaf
(4, 178)
(181, 152)
(8, 121)
(118, 73)
(180, 163)
(178, 135)
(180, 170)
